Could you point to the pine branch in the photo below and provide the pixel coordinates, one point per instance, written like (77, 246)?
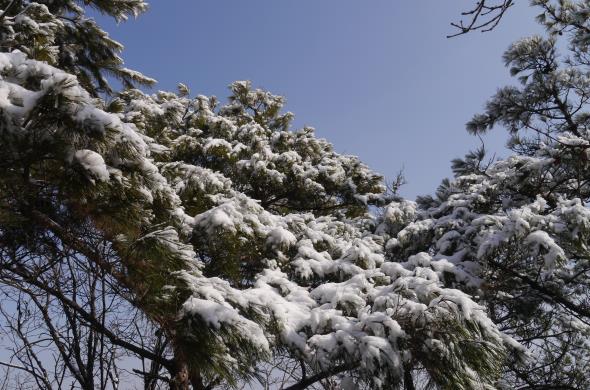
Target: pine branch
(322, 375)
(551, 295)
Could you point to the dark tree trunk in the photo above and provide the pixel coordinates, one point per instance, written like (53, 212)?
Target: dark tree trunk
(185, 377)
(180, 378)
(408, 380)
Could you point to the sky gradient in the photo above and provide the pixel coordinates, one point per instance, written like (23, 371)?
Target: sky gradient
(378, 78)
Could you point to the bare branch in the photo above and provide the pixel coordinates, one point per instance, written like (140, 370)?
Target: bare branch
(484, 17)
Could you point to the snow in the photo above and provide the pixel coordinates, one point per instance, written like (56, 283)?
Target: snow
(540, 239)
(93, 163)
(319, 276)
(214, 187)
(218, 315)
(281, 238)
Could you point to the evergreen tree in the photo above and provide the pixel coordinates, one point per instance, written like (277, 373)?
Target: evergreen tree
(515, 232)
(60, 34)
(237, 237)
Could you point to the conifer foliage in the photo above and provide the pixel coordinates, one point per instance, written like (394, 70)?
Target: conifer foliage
(514, 232)
(234, 236)
(237, 240)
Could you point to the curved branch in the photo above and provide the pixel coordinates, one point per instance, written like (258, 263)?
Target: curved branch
(303, 384)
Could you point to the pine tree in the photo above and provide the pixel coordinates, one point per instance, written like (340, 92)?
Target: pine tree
(60, 34)
(515, 232)
(237, 237)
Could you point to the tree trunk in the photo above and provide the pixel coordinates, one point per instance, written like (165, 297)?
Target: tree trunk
(180, 379)
(197, 381)
(185, 377)
(408, 380)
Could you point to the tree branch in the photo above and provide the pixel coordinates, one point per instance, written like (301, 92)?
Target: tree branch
(93, 322)
(303, 384)
(551, 295)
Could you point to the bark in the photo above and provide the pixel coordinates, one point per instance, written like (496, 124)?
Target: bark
(408, 380)
(180, 376)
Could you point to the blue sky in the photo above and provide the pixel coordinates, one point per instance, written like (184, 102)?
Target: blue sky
(377, 78)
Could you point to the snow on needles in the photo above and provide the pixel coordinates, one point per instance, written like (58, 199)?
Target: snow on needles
(258, 234)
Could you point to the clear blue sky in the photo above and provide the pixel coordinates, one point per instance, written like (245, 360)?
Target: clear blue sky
(377, 78)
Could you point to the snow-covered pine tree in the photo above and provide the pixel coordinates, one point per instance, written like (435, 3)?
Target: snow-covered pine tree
(234, 235)
(60, 34)
(515, 232)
